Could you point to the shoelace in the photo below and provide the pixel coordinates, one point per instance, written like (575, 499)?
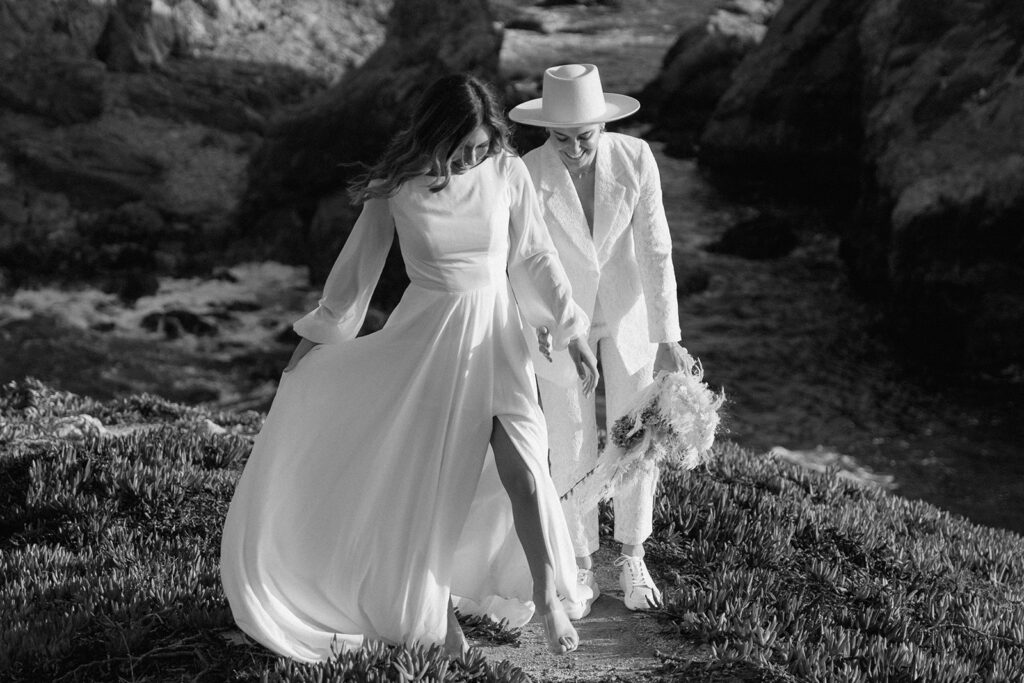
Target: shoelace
(638, 573)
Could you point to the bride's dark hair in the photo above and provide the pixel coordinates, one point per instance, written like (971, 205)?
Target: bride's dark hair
(447, 112)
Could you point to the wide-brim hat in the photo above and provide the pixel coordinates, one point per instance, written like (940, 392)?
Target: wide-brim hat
(571, 95)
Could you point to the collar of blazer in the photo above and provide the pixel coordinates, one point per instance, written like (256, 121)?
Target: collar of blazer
(611, 187)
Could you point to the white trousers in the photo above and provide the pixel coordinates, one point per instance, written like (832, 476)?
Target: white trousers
(572, 438)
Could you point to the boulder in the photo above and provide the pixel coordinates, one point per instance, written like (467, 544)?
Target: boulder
(913, 112)
(139, 36)
(792, 110)
(697, 70)
(310, 155)
(230, 96)
(151, 106)
(95, 169)
(760, 238)
(59, 89)
(318, 38)
(68, 28)
(942, 237)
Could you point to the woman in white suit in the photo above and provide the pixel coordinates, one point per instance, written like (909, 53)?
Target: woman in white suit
(601, 195)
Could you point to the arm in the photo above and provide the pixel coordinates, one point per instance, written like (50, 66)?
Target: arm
(653, 244)
(579, 352)
(541, 287)
(538, 279)
(346, 296)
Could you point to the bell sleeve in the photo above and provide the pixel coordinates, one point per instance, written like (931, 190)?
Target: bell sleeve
(652, 242)
(539, 282)
(346, 296)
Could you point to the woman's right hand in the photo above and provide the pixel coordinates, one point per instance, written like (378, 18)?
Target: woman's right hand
(586, 364)
(544, 342)
(301, 350)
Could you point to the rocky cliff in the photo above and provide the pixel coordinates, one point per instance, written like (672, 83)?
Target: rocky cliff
(131, 130)
(296, 195)
(697, 69)
(126, 125)
(915, 110)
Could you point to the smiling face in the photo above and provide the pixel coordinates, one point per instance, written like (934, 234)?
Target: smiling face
(472, 150)
(577, 147)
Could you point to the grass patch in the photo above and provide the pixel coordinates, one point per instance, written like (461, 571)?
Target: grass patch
(109, 548)
(110, 535)
(791, 575)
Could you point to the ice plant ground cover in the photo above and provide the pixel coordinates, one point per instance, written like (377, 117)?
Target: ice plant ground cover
(110, 528)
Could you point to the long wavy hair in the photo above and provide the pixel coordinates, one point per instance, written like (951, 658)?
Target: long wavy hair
(449, 110)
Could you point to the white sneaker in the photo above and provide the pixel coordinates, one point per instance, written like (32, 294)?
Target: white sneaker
(638, 589)
(586, 588)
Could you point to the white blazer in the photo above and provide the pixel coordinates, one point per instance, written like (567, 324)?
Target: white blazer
(627, 264)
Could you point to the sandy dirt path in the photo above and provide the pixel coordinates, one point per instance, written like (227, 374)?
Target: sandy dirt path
(615, 644)
(628, 45)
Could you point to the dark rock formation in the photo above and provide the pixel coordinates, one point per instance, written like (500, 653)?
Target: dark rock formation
(62, 90)
(758, 238)
(942, 233)
(136, 38)
(69, 29)
(162, 104)
(107, 104)
(697, 70)
(297, 180)
(913, 112)
(792, 111)
(93, 169)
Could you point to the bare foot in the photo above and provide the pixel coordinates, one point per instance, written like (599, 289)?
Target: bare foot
(562, 637)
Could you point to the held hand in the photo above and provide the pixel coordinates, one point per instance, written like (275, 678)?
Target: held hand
(301, 350)
(670, 358)
(586, 364)
(544, 342)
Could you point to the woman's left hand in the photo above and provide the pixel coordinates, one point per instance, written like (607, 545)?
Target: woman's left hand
(671, 357)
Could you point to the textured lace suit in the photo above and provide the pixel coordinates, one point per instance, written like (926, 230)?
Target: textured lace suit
(622, 277)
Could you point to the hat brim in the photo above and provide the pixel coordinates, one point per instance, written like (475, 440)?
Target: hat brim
(531, 113)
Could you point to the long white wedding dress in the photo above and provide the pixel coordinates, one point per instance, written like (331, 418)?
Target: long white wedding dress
(371, 494)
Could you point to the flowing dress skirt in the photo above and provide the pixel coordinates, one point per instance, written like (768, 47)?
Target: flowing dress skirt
(350, 519)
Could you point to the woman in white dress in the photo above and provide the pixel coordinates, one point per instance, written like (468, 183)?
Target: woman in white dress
(371, 500)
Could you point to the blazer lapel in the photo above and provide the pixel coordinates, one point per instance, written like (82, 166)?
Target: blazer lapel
(560, 200)
(609, 192)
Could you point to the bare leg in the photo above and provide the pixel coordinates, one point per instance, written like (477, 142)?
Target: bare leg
(455, 641)
(522, 492)
(585, 562)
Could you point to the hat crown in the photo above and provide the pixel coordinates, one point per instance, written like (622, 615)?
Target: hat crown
(572, 93)
(571, 96)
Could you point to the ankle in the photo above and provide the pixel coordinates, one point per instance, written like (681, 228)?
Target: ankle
(544, 605)
(633, 550)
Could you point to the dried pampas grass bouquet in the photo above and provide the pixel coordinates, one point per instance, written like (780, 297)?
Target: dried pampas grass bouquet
(670, 423)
